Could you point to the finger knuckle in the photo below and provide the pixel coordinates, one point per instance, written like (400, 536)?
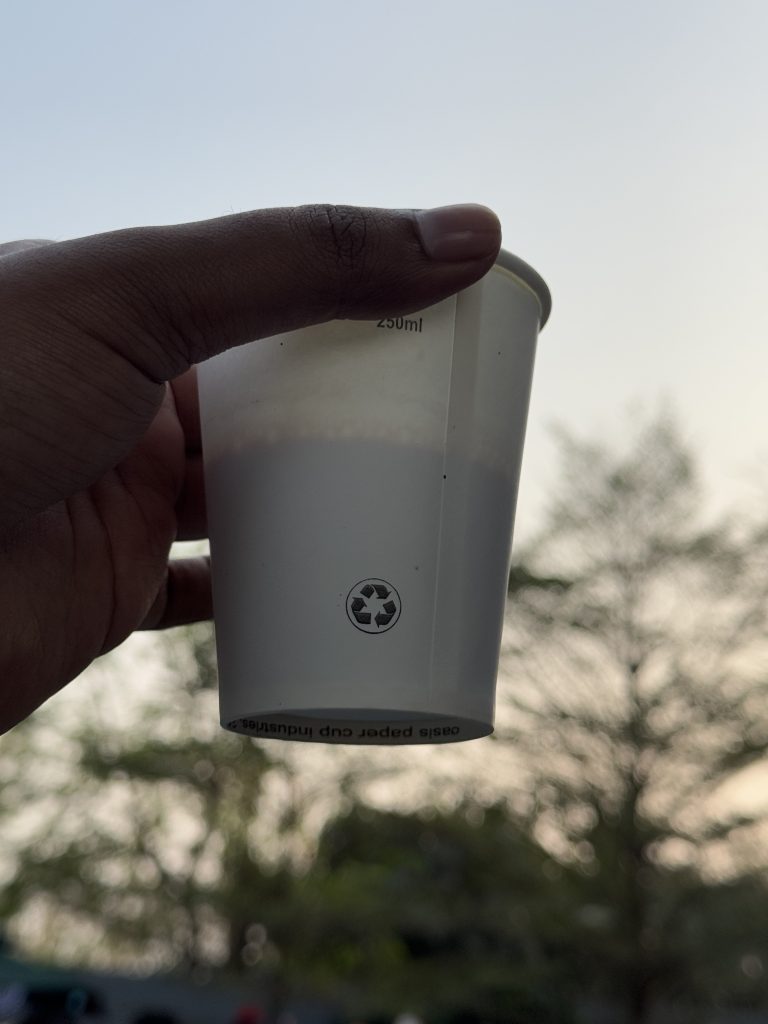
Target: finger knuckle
(345, 240)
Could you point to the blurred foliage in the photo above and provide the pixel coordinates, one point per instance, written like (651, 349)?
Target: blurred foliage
(152, 846)
(443, 910)
(638, 642)
(609, 865)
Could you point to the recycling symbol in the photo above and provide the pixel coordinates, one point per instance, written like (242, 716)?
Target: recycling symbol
(373, 606)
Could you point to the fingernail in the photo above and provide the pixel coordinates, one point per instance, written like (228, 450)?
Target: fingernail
(455, 233)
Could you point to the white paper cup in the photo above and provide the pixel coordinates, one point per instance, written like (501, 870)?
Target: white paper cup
(361, 480)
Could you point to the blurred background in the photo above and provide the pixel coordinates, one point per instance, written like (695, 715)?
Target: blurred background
(603, 857)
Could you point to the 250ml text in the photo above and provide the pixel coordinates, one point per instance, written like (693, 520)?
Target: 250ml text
(402, 323)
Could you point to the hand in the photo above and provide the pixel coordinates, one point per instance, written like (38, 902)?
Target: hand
(100, 464)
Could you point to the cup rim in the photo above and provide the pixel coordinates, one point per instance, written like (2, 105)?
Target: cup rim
(525, 273)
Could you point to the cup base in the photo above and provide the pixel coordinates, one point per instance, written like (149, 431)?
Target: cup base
(360, 726)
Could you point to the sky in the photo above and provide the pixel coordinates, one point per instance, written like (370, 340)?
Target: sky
(622, 145)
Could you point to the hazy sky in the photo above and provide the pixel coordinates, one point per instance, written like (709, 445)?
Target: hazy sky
(623, 145)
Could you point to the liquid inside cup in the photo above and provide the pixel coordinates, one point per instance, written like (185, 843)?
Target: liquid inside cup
(328, 521)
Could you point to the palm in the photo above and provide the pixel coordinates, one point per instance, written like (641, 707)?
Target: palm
(81, 576)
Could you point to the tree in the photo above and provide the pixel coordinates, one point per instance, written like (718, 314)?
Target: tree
(166, 843)
(452, 914)
(157, 858)
(175, 845)
(635, 667)
(637, 660)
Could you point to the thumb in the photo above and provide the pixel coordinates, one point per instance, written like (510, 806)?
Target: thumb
(92, 327)
(186, 292)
